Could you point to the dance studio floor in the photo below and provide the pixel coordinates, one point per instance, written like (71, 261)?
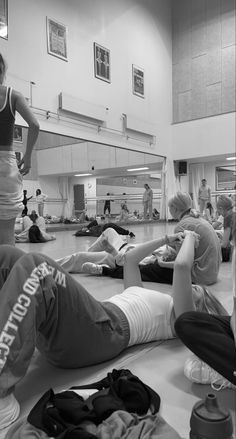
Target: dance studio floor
(159, 364)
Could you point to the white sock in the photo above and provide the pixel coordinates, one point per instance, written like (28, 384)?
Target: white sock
(9, 410)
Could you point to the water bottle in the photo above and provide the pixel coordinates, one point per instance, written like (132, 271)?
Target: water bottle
(210, 421)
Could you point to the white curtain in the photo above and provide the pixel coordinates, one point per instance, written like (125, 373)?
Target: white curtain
(196, 171)
(63, 185)
(169, 186)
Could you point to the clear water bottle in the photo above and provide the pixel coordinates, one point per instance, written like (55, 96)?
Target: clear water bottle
(210, 421)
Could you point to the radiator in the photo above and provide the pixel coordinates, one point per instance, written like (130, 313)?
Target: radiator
(81, 108)
(139, 125)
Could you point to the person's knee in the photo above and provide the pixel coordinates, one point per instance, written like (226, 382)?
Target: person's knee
(184, 323)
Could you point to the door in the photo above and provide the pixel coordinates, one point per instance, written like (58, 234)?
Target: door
(79, 198)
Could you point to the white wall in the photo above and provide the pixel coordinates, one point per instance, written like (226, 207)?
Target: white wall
(135, 32)
(204, 137)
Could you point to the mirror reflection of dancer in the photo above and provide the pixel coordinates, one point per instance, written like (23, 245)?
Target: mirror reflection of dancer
(11, 173)
(70, 327)
(40, 198)
(25, 201)
(147, 202)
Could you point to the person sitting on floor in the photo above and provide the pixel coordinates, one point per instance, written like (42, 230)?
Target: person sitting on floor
(43, 306)
(207, 256)
(33, 229)
(212, 339)
(225, 207)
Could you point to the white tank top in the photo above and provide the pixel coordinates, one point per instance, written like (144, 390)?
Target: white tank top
(148, 313)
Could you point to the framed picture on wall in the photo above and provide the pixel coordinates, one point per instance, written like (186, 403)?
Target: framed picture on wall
(4, 19)
(102, 63)
(17, 134)
(57, 39)
(138, 81)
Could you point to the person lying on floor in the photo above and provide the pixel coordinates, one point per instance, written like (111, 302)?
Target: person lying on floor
(207, 256)
(95, 229)
(107, 253)
(33, 229)
(212, 339)
(43, 306)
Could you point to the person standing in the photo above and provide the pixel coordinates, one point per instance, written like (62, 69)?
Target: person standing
(40, 198)
(107, 205)
(25, 201)
(204, 195)
(147, 202)
(11, 172)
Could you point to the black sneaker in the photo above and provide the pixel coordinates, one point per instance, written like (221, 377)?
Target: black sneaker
(132, 235)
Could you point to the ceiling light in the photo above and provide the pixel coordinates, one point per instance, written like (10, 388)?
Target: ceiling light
(137, 169)
(230, 158)
(82, 175)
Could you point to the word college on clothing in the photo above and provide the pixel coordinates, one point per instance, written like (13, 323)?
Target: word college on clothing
(20, 308)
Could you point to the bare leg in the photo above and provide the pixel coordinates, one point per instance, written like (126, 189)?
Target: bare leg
(7, 235)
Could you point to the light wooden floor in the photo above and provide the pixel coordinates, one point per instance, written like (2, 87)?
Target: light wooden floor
(159, 364)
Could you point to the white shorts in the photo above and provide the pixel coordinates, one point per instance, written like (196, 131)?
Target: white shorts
(11, 186)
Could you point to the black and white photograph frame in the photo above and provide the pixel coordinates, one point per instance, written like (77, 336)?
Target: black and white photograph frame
(138, 81)
(57, 39)
(102, 62)
(17, 134)
(4, 19)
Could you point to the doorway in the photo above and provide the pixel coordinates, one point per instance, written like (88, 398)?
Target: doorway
(79, 202)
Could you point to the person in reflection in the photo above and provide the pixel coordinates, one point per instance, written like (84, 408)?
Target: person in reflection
(40, 198)
(11, 172)
(147, 202)
(43, 306)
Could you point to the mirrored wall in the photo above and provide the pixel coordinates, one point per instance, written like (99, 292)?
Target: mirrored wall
(77, 175)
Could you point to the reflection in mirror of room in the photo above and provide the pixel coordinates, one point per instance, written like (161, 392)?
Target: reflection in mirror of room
(60, 164)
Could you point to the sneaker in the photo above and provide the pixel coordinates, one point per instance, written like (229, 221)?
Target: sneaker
(91, 268)
(132, 235)
(9, 411)
(199, 372)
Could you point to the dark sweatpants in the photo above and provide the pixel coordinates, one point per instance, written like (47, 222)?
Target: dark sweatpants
(149, 273)
(210, 338)
(42, 305)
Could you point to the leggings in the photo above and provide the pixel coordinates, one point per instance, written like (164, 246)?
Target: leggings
(42, 306)
(149, 273)
(210, 338)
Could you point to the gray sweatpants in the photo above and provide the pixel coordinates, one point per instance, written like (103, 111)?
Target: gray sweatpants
(42, 305)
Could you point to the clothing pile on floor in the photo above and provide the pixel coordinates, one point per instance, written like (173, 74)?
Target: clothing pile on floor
(120, 406)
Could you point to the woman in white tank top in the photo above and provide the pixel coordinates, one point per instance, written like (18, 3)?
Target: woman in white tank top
(11, 187)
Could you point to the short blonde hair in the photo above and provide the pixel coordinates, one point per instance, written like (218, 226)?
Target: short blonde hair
(181, 201)
(224, 202)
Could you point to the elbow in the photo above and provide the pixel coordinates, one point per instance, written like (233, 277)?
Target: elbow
(34, 126)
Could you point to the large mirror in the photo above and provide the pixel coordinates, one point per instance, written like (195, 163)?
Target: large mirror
(77, 175)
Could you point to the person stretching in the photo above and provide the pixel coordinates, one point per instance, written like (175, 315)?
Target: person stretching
(43, 306)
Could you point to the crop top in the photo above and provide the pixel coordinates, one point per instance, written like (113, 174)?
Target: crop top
(7, 120)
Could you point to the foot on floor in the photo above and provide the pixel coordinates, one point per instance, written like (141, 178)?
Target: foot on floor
(199, 372)
(91, 268)
(9, 411)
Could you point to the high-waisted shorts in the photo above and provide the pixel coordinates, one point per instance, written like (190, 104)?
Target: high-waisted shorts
(11, 186)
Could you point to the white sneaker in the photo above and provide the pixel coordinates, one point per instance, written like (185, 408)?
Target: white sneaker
(199, 372)
(91, 268)
(9, 411)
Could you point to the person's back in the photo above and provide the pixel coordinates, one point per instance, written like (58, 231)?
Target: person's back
(207, 255)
